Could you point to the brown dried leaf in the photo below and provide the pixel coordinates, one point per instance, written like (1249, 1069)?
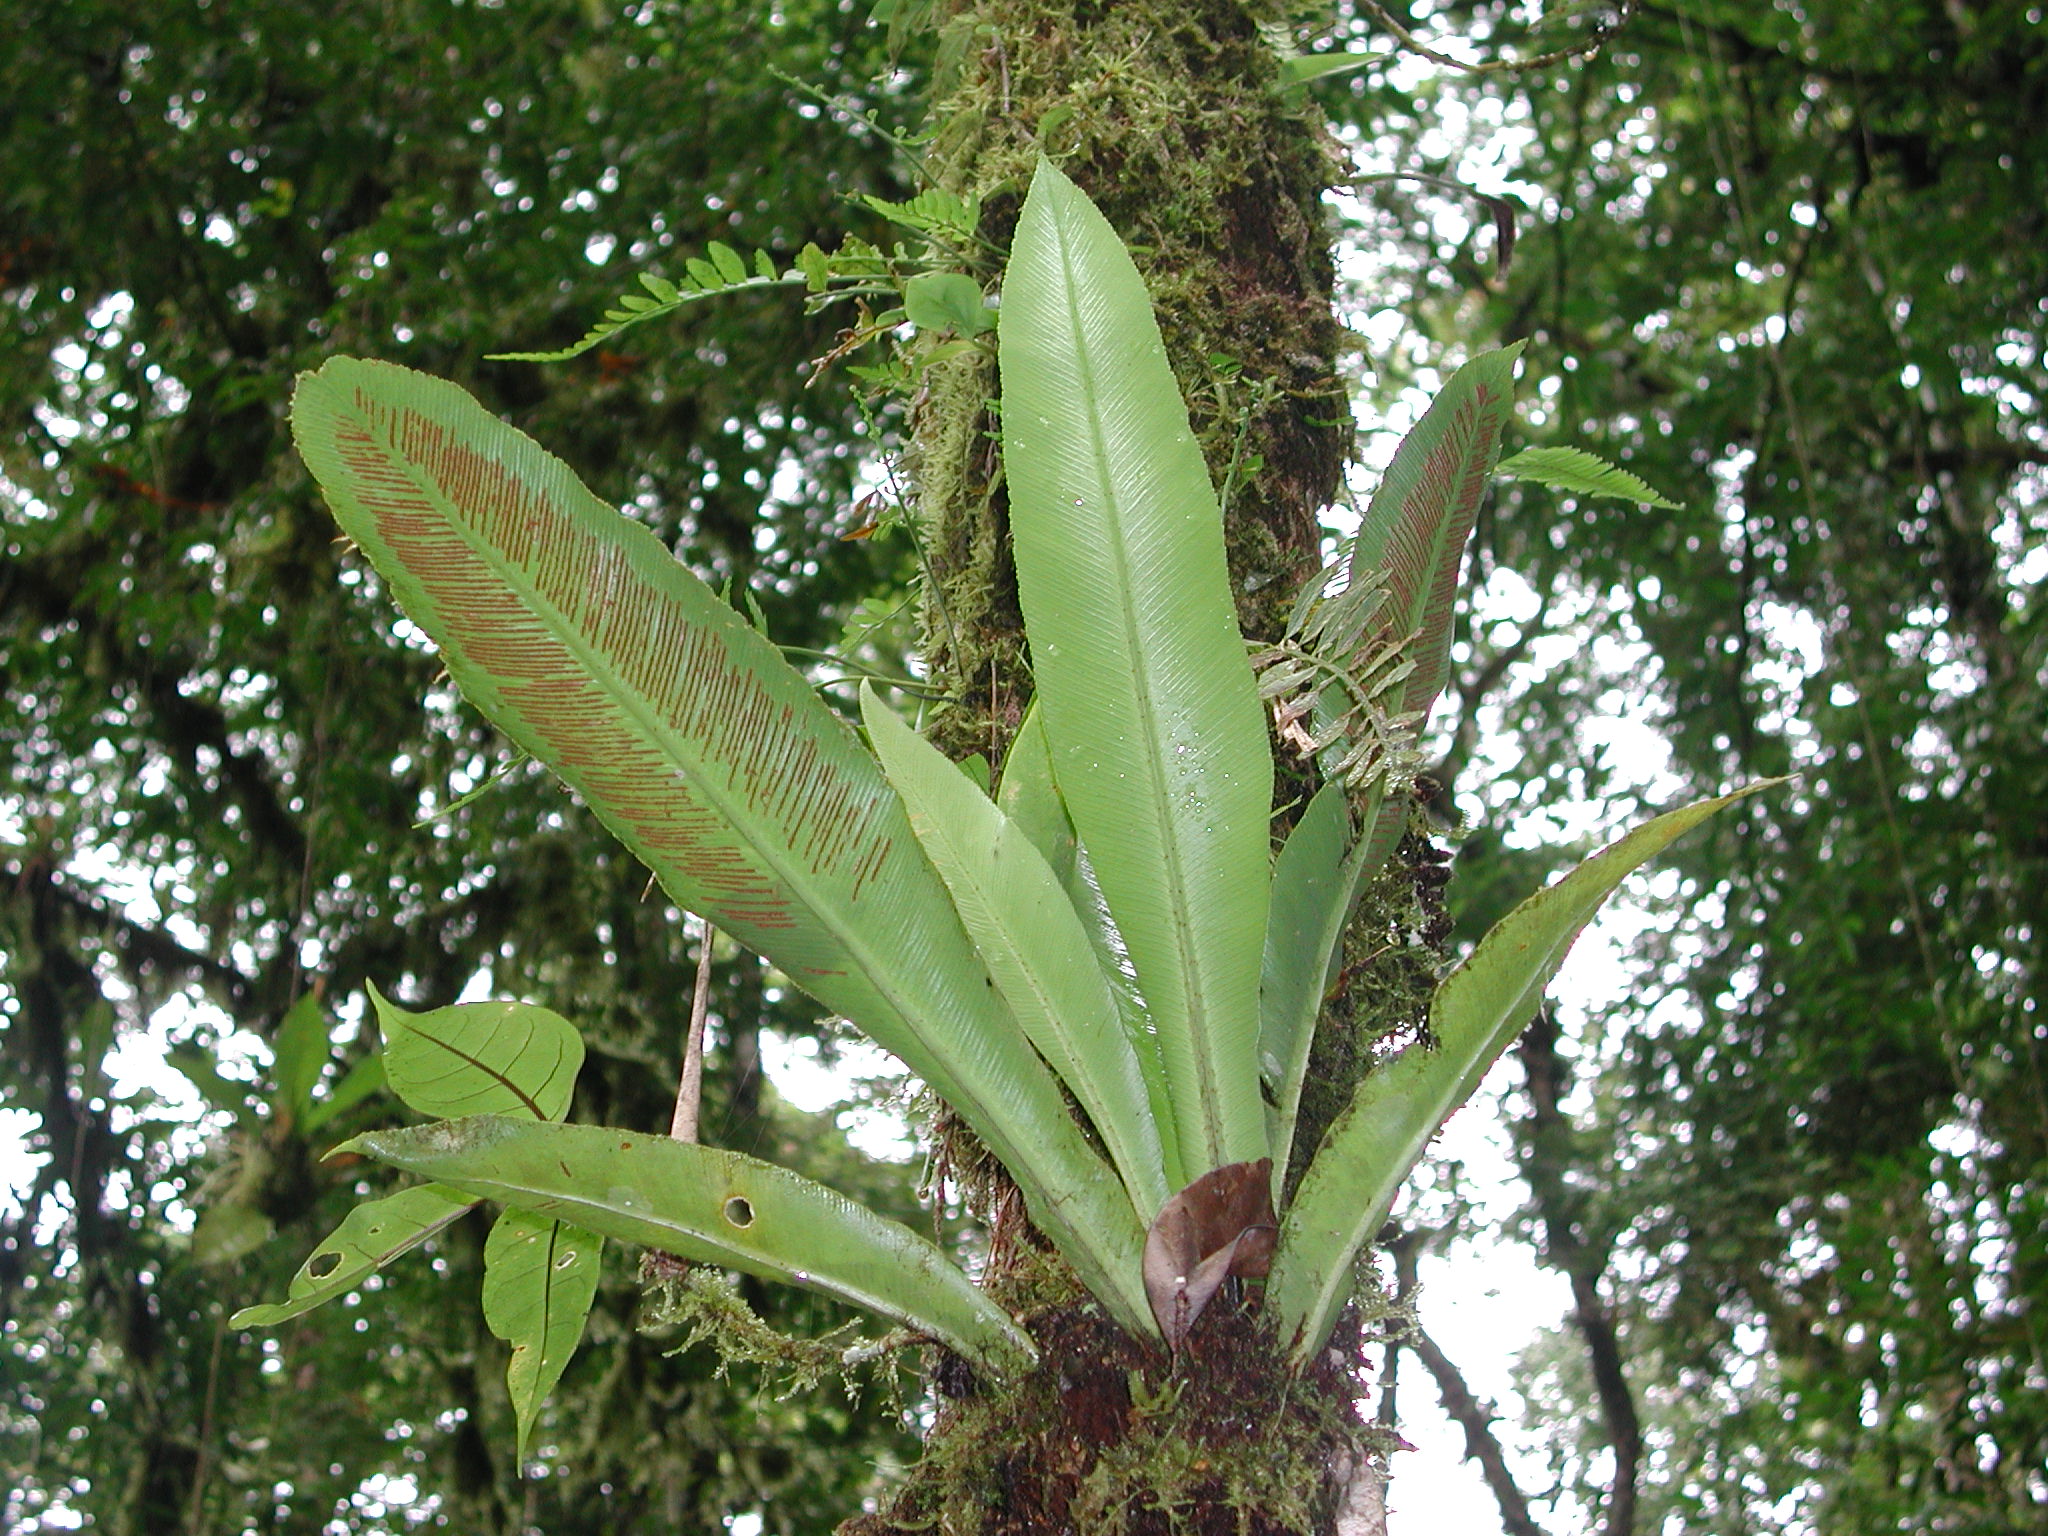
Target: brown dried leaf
(1220, 1225)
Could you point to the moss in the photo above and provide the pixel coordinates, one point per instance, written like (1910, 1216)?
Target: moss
(1111, 1438)
(706, 1303)
(1165, 113)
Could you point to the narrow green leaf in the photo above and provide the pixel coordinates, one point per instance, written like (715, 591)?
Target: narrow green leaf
(1581, 473)
(703, 751)
(1158, 739)
(357, 1084)
(1417, 522)
(480, 1058)
(1031, 799)
(975, 770)
(716, 1207)
(540, 1277)
(1028, 935)
(1309, 911)
(301, 1050)
(1305, 67)
(1479, 1008)
(369, 1237)
(1315, 891)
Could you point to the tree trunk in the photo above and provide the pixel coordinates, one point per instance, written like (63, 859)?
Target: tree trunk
(1166, 112)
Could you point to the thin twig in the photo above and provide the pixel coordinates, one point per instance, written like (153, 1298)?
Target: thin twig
(1481, 1444)
(690, 1091)
(1502, 208)
(199, 1471)
(1601, 33)
(1583, 1260)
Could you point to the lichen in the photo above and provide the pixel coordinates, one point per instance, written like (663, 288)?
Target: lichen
(706, 1304)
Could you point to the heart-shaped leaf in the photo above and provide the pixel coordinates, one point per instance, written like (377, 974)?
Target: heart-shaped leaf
(946, 301)
(480, 1058)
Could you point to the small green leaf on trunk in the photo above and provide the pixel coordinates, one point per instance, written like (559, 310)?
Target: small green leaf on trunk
(946, 301)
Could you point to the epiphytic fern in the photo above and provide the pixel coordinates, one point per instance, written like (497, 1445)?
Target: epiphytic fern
(722, 270)
(1334, 680)
(941, 215)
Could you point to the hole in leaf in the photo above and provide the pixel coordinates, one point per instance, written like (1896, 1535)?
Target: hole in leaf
(321, 1265)
(739, 1211)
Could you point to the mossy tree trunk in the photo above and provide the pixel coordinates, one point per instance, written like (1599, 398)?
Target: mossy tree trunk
(1166, 113)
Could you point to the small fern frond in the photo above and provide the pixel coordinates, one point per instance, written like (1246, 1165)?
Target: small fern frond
(937, 213)
(1579, 473)
(720, 270)
(1333, 682)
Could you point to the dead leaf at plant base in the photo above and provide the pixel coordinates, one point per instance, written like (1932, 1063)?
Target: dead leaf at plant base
(1220, 1225)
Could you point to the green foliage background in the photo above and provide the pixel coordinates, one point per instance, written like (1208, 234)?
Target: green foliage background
(196, 691)
(1785, 263)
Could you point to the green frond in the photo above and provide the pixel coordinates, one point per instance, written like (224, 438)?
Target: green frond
(721, 270)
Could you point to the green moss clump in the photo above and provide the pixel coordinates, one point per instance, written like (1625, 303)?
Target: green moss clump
(1108, 1437)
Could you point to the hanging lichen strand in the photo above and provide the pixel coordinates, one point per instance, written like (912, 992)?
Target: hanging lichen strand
(1168, 115)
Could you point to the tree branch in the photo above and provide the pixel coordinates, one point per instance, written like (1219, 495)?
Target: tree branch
(1545, 1153)
(144, 947)
(1481, 1444)
(1471, 1415)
